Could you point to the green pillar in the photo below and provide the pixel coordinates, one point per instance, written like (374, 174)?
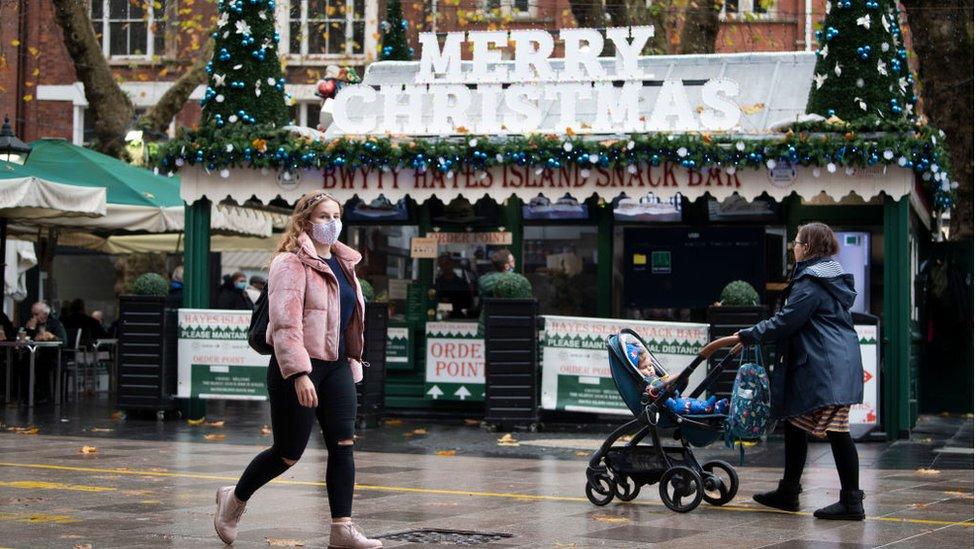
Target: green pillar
(425, 267)
(512, 220)
(196, 275)
(897, 315)
(604, 259)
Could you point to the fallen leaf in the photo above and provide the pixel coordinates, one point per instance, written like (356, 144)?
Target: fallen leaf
(610, 519)
(265, 431)
(626, 438)
(88, 450)
(928, 472)
(100, 430)
(753, 109)
(117, 415)
(393, 422)
(285, 542)
(446, 453)
(218, 423)
(420, 431)
(582, 453)
(83, 546)
(195, 421)
(473, 422)
(25, 430)
(508, 440)
(214, 437)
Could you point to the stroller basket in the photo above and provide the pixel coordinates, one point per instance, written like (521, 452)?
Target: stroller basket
(620, 471)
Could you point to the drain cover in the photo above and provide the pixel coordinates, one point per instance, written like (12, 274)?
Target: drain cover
(446, 537)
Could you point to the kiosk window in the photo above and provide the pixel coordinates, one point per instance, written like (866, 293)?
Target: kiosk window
(560, 262)
(386, 263)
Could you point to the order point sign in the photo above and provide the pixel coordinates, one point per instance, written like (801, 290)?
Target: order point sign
(455, 362)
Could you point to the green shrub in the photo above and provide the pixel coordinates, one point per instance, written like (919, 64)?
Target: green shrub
(151, 284)
(368, 292)
(739, 293)
(505, 285)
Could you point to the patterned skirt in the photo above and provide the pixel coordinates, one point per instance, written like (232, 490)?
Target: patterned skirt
(821, 420)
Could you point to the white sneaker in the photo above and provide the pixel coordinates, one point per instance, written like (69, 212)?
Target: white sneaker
(345, 536)
(229, 511)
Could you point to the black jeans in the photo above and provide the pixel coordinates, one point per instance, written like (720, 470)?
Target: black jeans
(291, 425)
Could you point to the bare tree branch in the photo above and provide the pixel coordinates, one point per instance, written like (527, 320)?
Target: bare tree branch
(108, 106)
(157, 119)
(942, 37)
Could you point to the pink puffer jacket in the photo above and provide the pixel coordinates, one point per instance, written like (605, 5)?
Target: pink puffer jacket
(303, 309)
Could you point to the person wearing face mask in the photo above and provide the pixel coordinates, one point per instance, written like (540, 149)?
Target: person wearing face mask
(315, 326)
(233, 294)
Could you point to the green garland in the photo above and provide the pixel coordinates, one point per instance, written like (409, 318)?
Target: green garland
(917, 147)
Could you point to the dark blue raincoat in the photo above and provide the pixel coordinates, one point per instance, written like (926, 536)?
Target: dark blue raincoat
(818, 360)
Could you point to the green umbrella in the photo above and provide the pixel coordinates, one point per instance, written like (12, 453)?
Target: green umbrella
(138, 199)
(34, 194)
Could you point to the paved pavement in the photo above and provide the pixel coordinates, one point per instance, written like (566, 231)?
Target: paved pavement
(149, 484)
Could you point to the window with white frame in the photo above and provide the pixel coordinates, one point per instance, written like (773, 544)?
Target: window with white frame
(328, 28)
(512, 8)
(748, 7)
(130, 28)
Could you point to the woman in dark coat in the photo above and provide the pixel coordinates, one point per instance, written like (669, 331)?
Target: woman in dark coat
(232, 294)
(818, 375)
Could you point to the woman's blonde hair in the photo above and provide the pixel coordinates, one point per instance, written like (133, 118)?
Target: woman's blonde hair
(300, 220)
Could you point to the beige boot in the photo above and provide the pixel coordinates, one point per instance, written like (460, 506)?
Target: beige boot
(229, 511)
(345, 536)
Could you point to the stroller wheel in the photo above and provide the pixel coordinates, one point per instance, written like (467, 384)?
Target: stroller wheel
(721, 482)
(625, 489)
(681, 489)
(601, 492)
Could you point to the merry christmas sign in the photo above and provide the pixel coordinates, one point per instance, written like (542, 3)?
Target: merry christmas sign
(493, 96)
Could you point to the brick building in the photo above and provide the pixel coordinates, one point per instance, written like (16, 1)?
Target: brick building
(150, 46)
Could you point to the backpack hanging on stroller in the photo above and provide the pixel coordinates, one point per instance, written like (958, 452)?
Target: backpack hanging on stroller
(620, 471)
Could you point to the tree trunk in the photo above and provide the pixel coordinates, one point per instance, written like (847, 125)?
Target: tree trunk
(701, 26)
(942, 37)
(169, 105)
(587, 13)
(108, 106)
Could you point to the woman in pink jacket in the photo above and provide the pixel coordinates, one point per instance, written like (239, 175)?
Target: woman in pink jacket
(315, 323)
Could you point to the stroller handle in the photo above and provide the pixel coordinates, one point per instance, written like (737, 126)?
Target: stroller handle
(722, 342)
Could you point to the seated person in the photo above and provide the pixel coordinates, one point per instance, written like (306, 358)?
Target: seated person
(77, 319)
(41, 326)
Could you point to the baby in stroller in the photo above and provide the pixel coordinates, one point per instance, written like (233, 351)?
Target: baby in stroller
(654, 397)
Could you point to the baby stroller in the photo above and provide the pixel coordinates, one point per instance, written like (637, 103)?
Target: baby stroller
(620, 471)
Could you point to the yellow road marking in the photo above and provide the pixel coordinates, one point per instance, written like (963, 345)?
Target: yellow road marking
(437, 491)
(38, 518)
(41, 485)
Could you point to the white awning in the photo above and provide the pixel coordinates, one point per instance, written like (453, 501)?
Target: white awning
(32, 198)
(224, 219)
(500, 183)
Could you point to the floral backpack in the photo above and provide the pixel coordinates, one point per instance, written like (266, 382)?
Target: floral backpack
(748, 404)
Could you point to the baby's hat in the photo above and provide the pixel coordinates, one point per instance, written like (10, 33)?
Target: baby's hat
(634, 352)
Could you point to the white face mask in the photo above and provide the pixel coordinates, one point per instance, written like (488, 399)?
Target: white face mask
(326, 233)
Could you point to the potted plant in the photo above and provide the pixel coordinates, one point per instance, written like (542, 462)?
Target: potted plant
(147, 371)
(371, 392)
(509, 322)
(738, 308)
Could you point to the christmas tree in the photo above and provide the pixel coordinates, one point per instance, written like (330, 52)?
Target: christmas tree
(862, 71)
(246, 85)
(395, 46)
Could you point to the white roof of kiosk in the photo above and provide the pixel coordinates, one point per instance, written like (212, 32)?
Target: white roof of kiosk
(773, 87)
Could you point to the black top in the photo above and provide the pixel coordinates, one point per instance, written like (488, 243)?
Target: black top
(347, 301)
(231, 298)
